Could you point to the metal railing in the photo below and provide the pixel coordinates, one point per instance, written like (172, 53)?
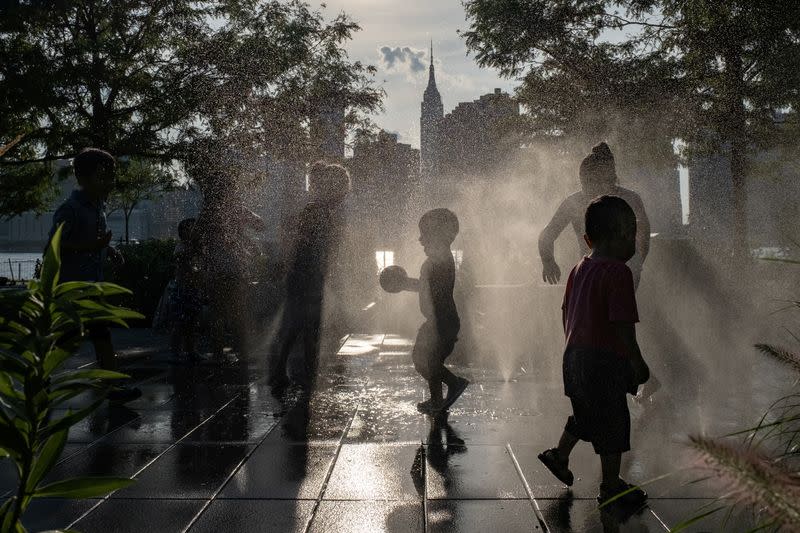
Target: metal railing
(18, 270)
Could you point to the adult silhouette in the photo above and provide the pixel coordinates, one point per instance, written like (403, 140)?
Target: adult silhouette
(598, 176)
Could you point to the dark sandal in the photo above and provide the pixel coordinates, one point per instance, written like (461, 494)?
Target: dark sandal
(557, 466)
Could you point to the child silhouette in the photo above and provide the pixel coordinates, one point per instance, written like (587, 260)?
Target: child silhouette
(438, 334)
(602, 360)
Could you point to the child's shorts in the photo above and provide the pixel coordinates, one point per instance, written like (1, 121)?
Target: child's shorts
(596, 382)
(430, 350)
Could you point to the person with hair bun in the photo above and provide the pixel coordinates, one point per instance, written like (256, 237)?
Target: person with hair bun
(598, 175)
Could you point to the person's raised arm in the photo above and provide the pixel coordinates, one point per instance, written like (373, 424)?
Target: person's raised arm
(551, 273)
(642, 229)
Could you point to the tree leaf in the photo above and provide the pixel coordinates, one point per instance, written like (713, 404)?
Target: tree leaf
(83, 487)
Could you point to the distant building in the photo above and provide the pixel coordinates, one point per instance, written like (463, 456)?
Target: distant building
(467, 142)
(476, 136)
(431, 116)
(385, 176)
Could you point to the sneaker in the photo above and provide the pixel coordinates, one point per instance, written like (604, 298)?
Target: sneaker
(634, 496)
(121, 395)
(557, 466)
(454, 393)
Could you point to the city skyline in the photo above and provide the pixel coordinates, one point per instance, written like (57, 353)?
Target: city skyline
(395, 38)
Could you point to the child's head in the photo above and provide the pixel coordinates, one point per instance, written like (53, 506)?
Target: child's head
(94, 171)
(186, 228)
(328, 183)
(437, 230)
(598, 170)
(611, 225)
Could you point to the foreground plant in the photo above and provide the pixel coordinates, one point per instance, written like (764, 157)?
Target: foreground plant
(41, 327)
(761, 472)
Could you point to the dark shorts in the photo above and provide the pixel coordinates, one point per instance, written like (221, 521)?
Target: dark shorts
(596, 382)
(431, 349)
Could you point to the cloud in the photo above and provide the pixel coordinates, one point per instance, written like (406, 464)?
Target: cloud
(405, 59)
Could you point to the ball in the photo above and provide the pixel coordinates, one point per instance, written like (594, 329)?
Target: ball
(392, 278)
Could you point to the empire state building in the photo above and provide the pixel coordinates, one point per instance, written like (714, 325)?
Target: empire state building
(429, 122)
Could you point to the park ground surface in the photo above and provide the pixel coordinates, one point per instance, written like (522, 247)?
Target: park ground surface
(213, 451)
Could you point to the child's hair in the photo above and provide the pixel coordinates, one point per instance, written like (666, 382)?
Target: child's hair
(606, 218)
(89, 160)
(599, 164)
(328, 179)
(440, 222)
(185, 228)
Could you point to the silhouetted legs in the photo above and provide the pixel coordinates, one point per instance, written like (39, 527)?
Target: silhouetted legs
(302, 316)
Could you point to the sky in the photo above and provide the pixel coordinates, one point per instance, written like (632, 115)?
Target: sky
(395, 37)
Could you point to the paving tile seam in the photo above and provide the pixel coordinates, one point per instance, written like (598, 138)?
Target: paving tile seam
(329, 473)
(156, 458)
(227, 479)
(534, 504)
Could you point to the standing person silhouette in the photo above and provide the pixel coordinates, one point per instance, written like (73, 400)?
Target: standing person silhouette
(598, 177)
(318, 234)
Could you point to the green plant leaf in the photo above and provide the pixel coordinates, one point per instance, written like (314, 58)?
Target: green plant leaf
(52, 264)
(72, 390)
(70, 419)
(10, 364)
(50, 453)
(5, 515)
(71, 290)
(93, 374)
(55, 358)
(7, 387)
(83, 487)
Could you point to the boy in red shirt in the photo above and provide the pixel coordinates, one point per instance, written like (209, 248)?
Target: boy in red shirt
(602, 360)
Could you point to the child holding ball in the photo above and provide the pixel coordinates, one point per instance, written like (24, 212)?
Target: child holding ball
(438, 334)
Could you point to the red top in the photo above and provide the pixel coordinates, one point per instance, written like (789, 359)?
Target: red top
(599, 291)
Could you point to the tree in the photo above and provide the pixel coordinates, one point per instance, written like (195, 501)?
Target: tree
(136, 181)
(148, 79)
(712, 73)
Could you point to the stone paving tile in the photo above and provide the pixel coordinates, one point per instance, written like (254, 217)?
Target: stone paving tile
(187, 471)
(234, 423)
(472, 472)
(481, 516)
(236, 516)
(107, 459)
(368, 516)
(674, 512)
(373, 472)
(356, 455)
(102, 422)
(45, 514)
(159, 426)
(584, 516)
(282, 471)
(137, 516)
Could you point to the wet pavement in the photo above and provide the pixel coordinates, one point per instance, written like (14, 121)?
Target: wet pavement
(213, 451)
